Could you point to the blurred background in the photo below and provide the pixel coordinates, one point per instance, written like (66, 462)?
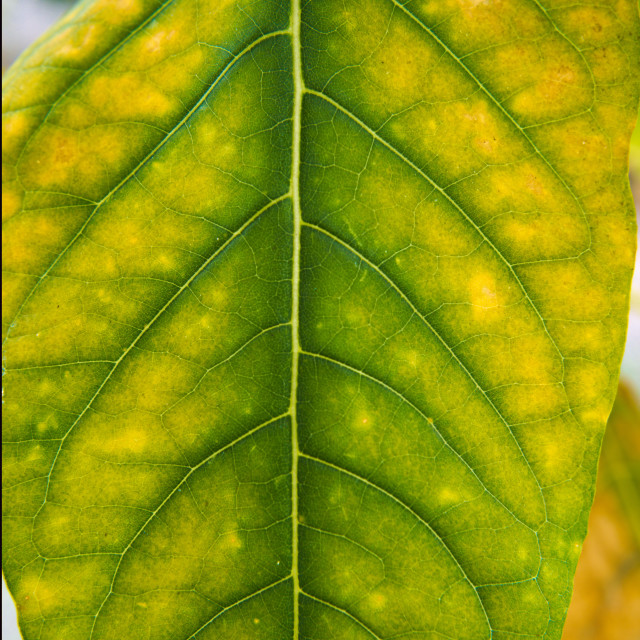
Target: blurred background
(606, 600)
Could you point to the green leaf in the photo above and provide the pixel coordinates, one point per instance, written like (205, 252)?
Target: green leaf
(313, 314)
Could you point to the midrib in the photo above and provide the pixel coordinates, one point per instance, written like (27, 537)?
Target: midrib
(298, 88)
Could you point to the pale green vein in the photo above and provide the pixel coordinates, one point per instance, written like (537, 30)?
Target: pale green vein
(150, 324)
(230, 357)
(57, 365)
(431, 423)
(342, 536)
(344, 612)
(417, 516)
(238, 602)
(155, 512)
(419, 171)
(437, 335)
(500, 106)
(141, 164)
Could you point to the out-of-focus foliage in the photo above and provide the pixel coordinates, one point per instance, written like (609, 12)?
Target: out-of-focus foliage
(606, 600)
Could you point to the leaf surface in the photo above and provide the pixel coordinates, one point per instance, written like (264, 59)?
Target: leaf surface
(313, 314)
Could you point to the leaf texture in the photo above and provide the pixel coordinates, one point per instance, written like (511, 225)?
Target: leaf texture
(313, 314)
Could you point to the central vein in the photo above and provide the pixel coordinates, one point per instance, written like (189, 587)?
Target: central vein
(298, 88)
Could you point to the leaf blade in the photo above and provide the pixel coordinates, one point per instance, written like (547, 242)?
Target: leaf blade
(251, 249)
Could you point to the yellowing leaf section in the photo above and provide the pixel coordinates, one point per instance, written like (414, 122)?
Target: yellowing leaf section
(313, 314)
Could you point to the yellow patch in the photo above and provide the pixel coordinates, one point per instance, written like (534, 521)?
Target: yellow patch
(77, 41)
(230, 542)
(171, 33)
(11, 201)
(363, 422)
(114, 11)
(133, 440)
(40, 590)
(128, 96)
(482, 290)
(177, 71)
(449, 496)
(72, 160)
(377, 601)
(400, 72)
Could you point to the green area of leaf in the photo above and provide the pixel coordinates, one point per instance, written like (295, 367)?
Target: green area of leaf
(313, 314)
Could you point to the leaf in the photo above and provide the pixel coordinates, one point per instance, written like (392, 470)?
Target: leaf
(313, 315)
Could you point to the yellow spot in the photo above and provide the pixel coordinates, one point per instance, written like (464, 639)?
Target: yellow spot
(61, 522)
(131, 439)
(479, 124)
(35, 454)
(521, 230)
(362, 422)
(75, 42)
(214, 145)
(125, 6)
(523, 553)
(159, 39)
(483, 291)
(356, 315)
(129, 231)
(401, 65)
(35, 587)
(595, 24)
(15, 129)
(591, 418)
(61, 156)
(72, 158)
(411, 357)
(14, 124)
(449, 495)
(46, 387)
(556, 87)
(552, 454)
(178, 72)
(215, 297)
(135, 440)
(17, 253)
(128, 96)
(230, 542)
(377, 601)
(472, 4)
(114, 11)
(104, 296)
(165, 261)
